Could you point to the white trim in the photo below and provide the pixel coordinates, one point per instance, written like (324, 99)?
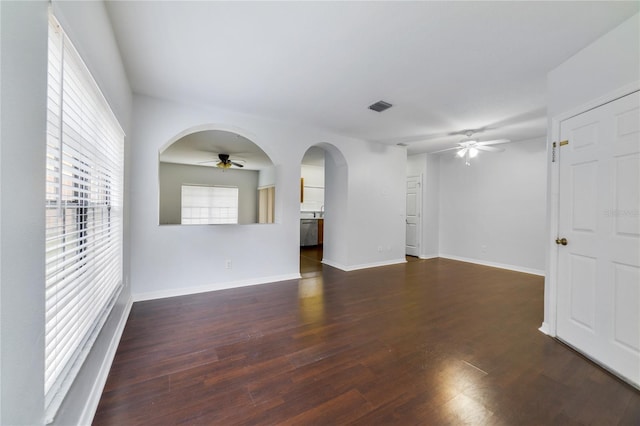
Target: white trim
(428, 256)
(495, 264)
(549, 326)
(363, 265)
(334, 264)
(91, 403)
(549, 322)
(420, 193)
(599, 101)
(162, 294)
(544, 328)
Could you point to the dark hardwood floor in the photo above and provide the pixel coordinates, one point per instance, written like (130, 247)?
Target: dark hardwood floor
(311, 261)
(430, 342)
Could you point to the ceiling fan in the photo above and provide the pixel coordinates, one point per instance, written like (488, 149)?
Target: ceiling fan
(224, 162)
(468, 148)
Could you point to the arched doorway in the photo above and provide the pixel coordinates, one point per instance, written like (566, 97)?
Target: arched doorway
(323, 190)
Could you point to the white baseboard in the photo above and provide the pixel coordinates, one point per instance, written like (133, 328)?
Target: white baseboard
(363, 265)
(544, 328)
(162, 294)
(516, 268)
(93, 399)
(428, 256)
(333, 264)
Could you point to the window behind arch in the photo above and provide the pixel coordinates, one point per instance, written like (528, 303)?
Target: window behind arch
(209, 204)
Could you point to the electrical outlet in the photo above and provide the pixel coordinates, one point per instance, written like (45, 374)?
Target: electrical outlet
(379, 249)
(228, 264)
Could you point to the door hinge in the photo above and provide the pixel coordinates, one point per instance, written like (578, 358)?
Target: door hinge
(563, 143)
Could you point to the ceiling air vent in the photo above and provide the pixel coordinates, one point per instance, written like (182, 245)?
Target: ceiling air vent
(380, 106)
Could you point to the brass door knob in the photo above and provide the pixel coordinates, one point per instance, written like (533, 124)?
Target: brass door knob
(562, 241)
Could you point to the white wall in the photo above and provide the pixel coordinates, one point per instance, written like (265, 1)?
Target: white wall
(336, 207)
(178, 260)
(493, 211)
(0, 213)
(267, 177)
(611, 62)
(173, 176)
(376, 204)
(24, 76)
(416, 164)
(607, 68)
(431, 208)
(23, 97)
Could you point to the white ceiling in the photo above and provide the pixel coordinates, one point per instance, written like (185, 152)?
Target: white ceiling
(445, 66)
(202, 149)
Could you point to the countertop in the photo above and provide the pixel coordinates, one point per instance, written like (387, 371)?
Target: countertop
(309, 215)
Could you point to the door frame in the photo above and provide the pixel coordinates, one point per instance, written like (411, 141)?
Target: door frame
(549, 325)
(420, 178)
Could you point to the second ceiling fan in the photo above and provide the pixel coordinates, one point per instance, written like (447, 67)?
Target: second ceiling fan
(224, 162)
(469, 147)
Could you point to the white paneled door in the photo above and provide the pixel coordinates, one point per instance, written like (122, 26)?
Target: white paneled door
(598, 310)
(413, 216)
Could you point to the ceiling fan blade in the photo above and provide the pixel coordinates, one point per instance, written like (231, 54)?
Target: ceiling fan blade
(237, 164)
(208, 161)
(414, 138)
(443, 150)
(488, 148)
(493, 142)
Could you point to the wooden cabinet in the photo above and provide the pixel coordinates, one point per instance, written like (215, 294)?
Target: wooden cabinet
(320, 231)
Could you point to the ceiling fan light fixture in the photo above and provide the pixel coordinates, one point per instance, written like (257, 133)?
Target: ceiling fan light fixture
(473, 152)
(223, 165)
(461, 153)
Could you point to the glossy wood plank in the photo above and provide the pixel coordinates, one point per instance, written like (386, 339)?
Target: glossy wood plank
(428, 342)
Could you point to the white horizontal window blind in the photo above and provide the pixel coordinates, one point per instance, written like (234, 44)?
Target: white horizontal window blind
(209, 204)
(84, 185)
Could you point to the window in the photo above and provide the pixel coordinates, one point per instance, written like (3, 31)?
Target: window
(209, 204)
(84, 185)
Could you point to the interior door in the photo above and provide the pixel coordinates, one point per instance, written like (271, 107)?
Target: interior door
(598, 308)
(413, 216)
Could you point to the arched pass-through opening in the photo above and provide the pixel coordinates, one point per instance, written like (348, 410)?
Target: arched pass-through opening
(212, 176)
(323, 196)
